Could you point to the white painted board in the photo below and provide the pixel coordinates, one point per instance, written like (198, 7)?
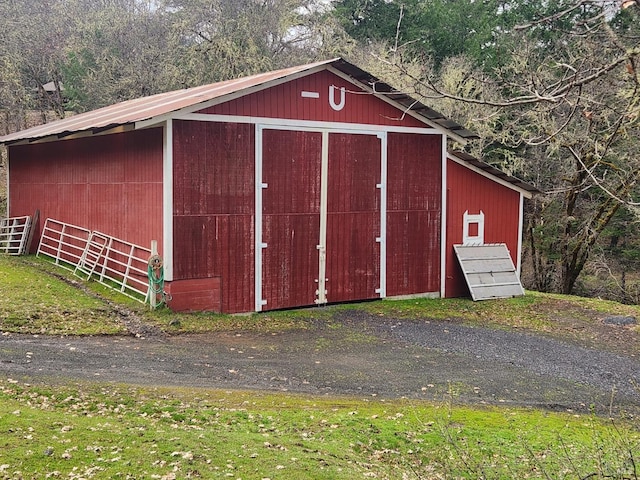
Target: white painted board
(489, 271)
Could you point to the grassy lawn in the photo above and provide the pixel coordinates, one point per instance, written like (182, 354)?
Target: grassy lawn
(33, 301)
(111, 431)
(97, 430)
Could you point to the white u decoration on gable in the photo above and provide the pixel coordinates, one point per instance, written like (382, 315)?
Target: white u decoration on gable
(468, 220)
(332, 98)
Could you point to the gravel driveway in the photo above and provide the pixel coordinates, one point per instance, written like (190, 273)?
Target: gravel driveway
(355, 354)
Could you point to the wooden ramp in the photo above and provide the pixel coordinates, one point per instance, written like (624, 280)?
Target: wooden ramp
(489, 271)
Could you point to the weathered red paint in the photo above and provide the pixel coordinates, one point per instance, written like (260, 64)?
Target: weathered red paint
(201, 294)
(414, 202)
(285, 101)
(112, 184)
(353, 217)
(468, 190)
(291, 217)
(213, 208)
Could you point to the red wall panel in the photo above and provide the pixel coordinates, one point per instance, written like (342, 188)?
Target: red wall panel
(468, 190)
(353, 217)
(291, 217)
(414, 202)
(213, 208)
(93, 182)
(285, 101)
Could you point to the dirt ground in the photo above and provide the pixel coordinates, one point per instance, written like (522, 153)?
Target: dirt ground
(359, 355)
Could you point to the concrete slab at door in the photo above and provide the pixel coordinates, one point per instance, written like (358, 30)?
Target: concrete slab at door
(291, 163)
(353, 217)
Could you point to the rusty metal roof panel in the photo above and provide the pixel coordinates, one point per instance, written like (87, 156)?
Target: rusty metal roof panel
(146, 108)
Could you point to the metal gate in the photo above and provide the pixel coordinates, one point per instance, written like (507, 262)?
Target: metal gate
(116, 263)
(14, 235)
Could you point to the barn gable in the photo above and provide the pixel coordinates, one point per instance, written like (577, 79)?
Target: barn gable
(309, 185)
(324, 96)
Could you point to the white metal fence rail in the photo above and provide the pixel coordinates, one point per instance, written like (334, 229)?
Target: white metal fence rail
(63, 242)
(14, 235)
(116, 263)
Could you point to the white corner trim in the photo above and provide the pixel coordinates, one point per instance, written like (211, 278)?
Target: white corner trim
(167, 200)
(443, 219)
(520, 231)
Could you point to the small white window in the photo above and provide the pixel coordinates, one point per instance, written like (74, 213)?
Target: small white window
(473, 229)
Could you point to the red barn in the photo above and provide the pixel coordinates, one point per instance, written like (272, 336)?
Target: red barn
(303, 186)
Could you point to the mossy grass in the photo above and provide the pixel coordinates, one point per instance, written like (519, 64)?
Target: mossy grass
(34, 301)
(117, 431)
(40, 297)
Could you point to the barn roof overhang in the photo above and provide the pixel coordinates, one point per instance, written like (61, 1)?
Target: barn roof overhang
(484, 168)
(151, 110)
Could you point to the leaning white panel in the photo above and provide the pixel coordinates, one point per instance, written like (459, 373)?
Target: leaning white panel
(489, 271)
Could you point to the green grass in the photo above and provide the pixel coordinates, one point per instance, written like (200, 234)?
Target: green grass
(97, 430)
(114, 431)
(32, 301)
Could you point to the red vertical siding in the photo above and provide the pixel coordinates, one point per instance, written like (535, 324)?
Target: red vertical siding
(285, 101)
(353, 217)
(291, 217)
(468, 190)
(213, 208)
(413, 213)
(110, 183)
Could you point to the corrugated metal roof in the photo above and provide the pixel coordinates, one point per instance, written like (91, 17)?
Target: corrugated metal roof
(146, 108)
(485, 167)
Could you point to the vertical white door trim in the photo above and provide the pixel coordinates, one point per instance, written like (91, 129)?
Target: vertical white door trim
(382, 240)
(520, 228)
(321, 292)
(443, 219)
(259, 244)
(167, 200)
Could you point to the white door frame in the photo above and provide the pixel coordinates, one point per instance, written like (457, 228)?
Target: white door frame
(321, 292)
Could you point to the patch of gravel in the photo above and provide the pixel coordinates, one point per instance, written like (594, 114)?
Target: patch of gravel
(620, 320)
(355, 354)
(539, 355)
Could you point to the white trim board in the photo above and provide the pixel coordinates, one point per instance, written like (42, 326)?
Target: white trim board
(167, 200)
(304, 124)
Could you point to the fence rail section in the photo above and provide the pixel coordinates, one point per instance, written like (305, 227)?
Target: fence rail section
(113, 262)
(14, 235)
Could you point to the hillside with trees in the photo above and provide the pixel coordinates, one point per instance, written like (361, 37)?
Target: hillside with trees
(552, 88)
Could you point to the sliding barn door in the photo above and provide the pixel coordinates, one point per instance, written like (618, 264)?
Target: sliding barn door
(353, 218)
(291, 163)
(320, 197)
